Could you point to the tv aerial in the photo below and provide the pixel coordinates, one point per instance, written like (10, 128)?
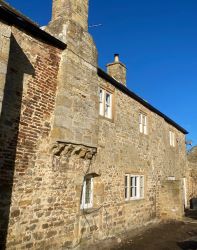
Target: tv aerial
(95, 25)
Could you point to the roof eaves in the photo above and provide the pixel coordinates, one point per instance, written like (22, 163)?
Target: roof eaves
(125, 90)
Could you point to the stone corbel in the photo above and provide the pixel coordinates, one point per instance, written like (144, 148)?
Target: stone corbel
(63, 153)
(70, 149)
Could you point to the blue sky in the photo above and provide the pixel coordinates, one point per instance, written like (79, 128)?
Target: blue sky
(156, 39)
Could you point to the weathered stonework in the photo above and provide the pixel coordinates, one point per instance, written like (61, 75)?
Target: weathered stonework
(76, 113)
(53, 137)
(117, 70)
(76, 11)
(170, 200)
(192, 173)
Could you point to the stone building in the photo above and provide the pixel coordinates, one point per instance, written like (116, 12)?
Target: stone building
(192, 173)
(82, 158)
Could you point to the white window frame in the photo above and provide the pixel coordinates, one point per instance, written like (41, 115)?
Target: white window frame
(172, 138)
(101, 102)
(105, 108)
(85, 205)
(143, 123)
(137, 187)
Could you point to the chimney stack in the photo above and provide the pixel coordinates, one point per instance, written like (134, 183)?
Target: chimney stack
(74, 10)
(70, 25)
(117, 70)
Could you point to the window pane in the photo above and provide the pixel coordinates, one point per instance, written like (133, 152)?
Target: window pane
(126, 186)
(88, 191)
(145, 120)
(133, 192)
(170, 134)
(145, 125)
(170, 137)
(141, 186)
(135, 181)
(107, 99)
(108, 105)
(126, 196)
(140, 118)
(101, 107)
(173, 139)
(141, 123)
(101, 95)
(133, 186)
(132, 181)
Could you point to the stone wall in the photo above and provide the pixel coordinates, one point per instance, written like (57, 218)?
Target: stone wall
(123, 150)
(171, 200)
(192, 181)
(76, 113)
(76, 10)
(192, 173)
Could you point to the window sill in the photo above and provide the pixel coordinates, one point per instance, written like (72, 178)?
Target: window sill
(143, 134)
(172, 149)
(135, 199)
(105, 118)
(89, 210)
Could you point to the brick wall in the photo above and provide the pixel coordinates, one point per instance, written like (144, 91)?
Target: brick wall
(26, 118)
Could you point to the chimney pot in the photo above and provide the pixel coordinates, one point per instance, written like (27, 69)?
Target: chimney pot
(117, 70)
(116, 57)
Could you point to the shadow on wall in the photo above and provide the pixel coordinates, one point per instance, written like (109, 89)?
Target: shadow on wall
(191, 213)
(18, 65)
